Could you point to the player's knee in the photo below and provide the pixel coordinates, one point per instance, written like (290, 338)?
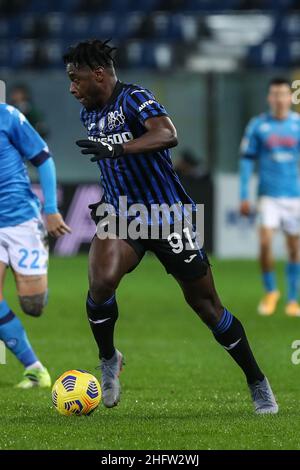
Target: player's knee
(209, 309)
(33, 305)
(102, 287)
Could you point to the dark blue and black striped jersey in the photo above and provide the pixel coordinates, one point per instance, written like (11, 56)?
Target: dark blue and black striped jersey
(144, 178)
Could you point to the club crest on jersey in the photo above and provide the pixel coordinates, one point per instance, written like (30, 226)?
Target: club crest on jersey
(115, 119)
(101, 124)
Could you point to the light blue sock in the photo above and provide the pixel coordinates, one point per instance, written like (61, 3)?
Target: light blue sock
(14, 336)
(292, 277)
(269, 281)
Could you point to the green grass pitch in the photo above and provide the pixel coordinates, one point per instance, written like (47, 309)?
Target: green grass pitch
(181, 390)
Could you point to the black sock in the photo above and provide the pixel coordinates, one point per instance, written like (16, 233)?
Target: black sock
(102, 319)
(230, 333)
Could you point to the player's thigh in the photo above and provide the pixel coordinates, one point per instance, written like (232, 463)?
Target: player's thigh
(32, 292)
(27, 247)
(181, 256)
(3, 268)
(291, 221)
(30, 285)
(28, 258)
(180, 253)
(109, 261)
(269, 218)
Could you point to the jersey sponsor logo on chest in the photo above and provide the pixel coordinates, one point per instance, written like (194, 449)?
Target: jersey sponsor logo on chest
(275, 140)
(115, 138)
(113, 120)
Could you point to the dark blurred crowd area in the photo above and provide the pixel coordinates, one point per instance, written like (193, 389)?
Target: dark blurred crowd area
(157, 34)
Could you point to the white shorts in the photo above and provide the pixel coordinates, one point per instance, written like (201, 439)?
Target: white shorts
(24, 247)
(281, 213)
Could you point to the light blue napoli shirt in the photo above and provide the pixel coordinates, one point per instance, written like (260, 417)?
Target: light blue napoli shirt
(18, 142)
(275, 145)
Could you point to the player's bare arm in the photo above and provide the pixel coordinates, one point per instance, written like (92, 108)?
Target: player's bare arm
(161, 134)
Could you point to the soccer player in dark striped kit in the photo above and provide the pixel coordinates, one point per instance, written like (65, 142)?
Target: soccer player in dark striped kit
(129, 134)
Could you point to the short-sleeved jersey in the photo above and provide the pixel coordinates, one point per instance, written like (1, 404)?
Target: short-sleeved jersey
(18, 142)
(143, 178)
(275, 145)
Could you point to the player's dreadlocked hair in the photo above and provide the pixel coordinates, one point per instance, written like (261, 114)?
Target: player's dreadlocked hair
(92, 53)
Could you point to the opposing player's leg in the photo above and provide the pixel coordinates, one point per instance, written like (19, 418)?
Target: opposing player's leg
(292, 275)
(13, 334)
(109, 261)
(269, 302)
(28, 258)
(27, 255)
(32, 292)
(201, 295)
(269, 212)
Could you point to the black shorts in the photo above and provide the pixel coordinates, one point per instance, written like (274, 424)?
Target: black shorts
(183, 263)
(180, 256)
(179, 253)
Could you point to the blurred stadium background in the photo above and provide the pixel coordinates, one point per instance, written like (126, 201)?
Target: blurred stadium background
(208, 61)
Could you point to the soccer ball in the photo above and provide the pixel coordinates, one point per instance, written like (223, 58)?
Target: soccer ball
(76, 392)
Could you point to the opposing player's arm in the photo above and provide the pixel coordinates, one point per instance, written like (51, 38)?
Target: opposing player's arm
(34, 149)
(246, 169)
(47, 176)
(249, 152)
